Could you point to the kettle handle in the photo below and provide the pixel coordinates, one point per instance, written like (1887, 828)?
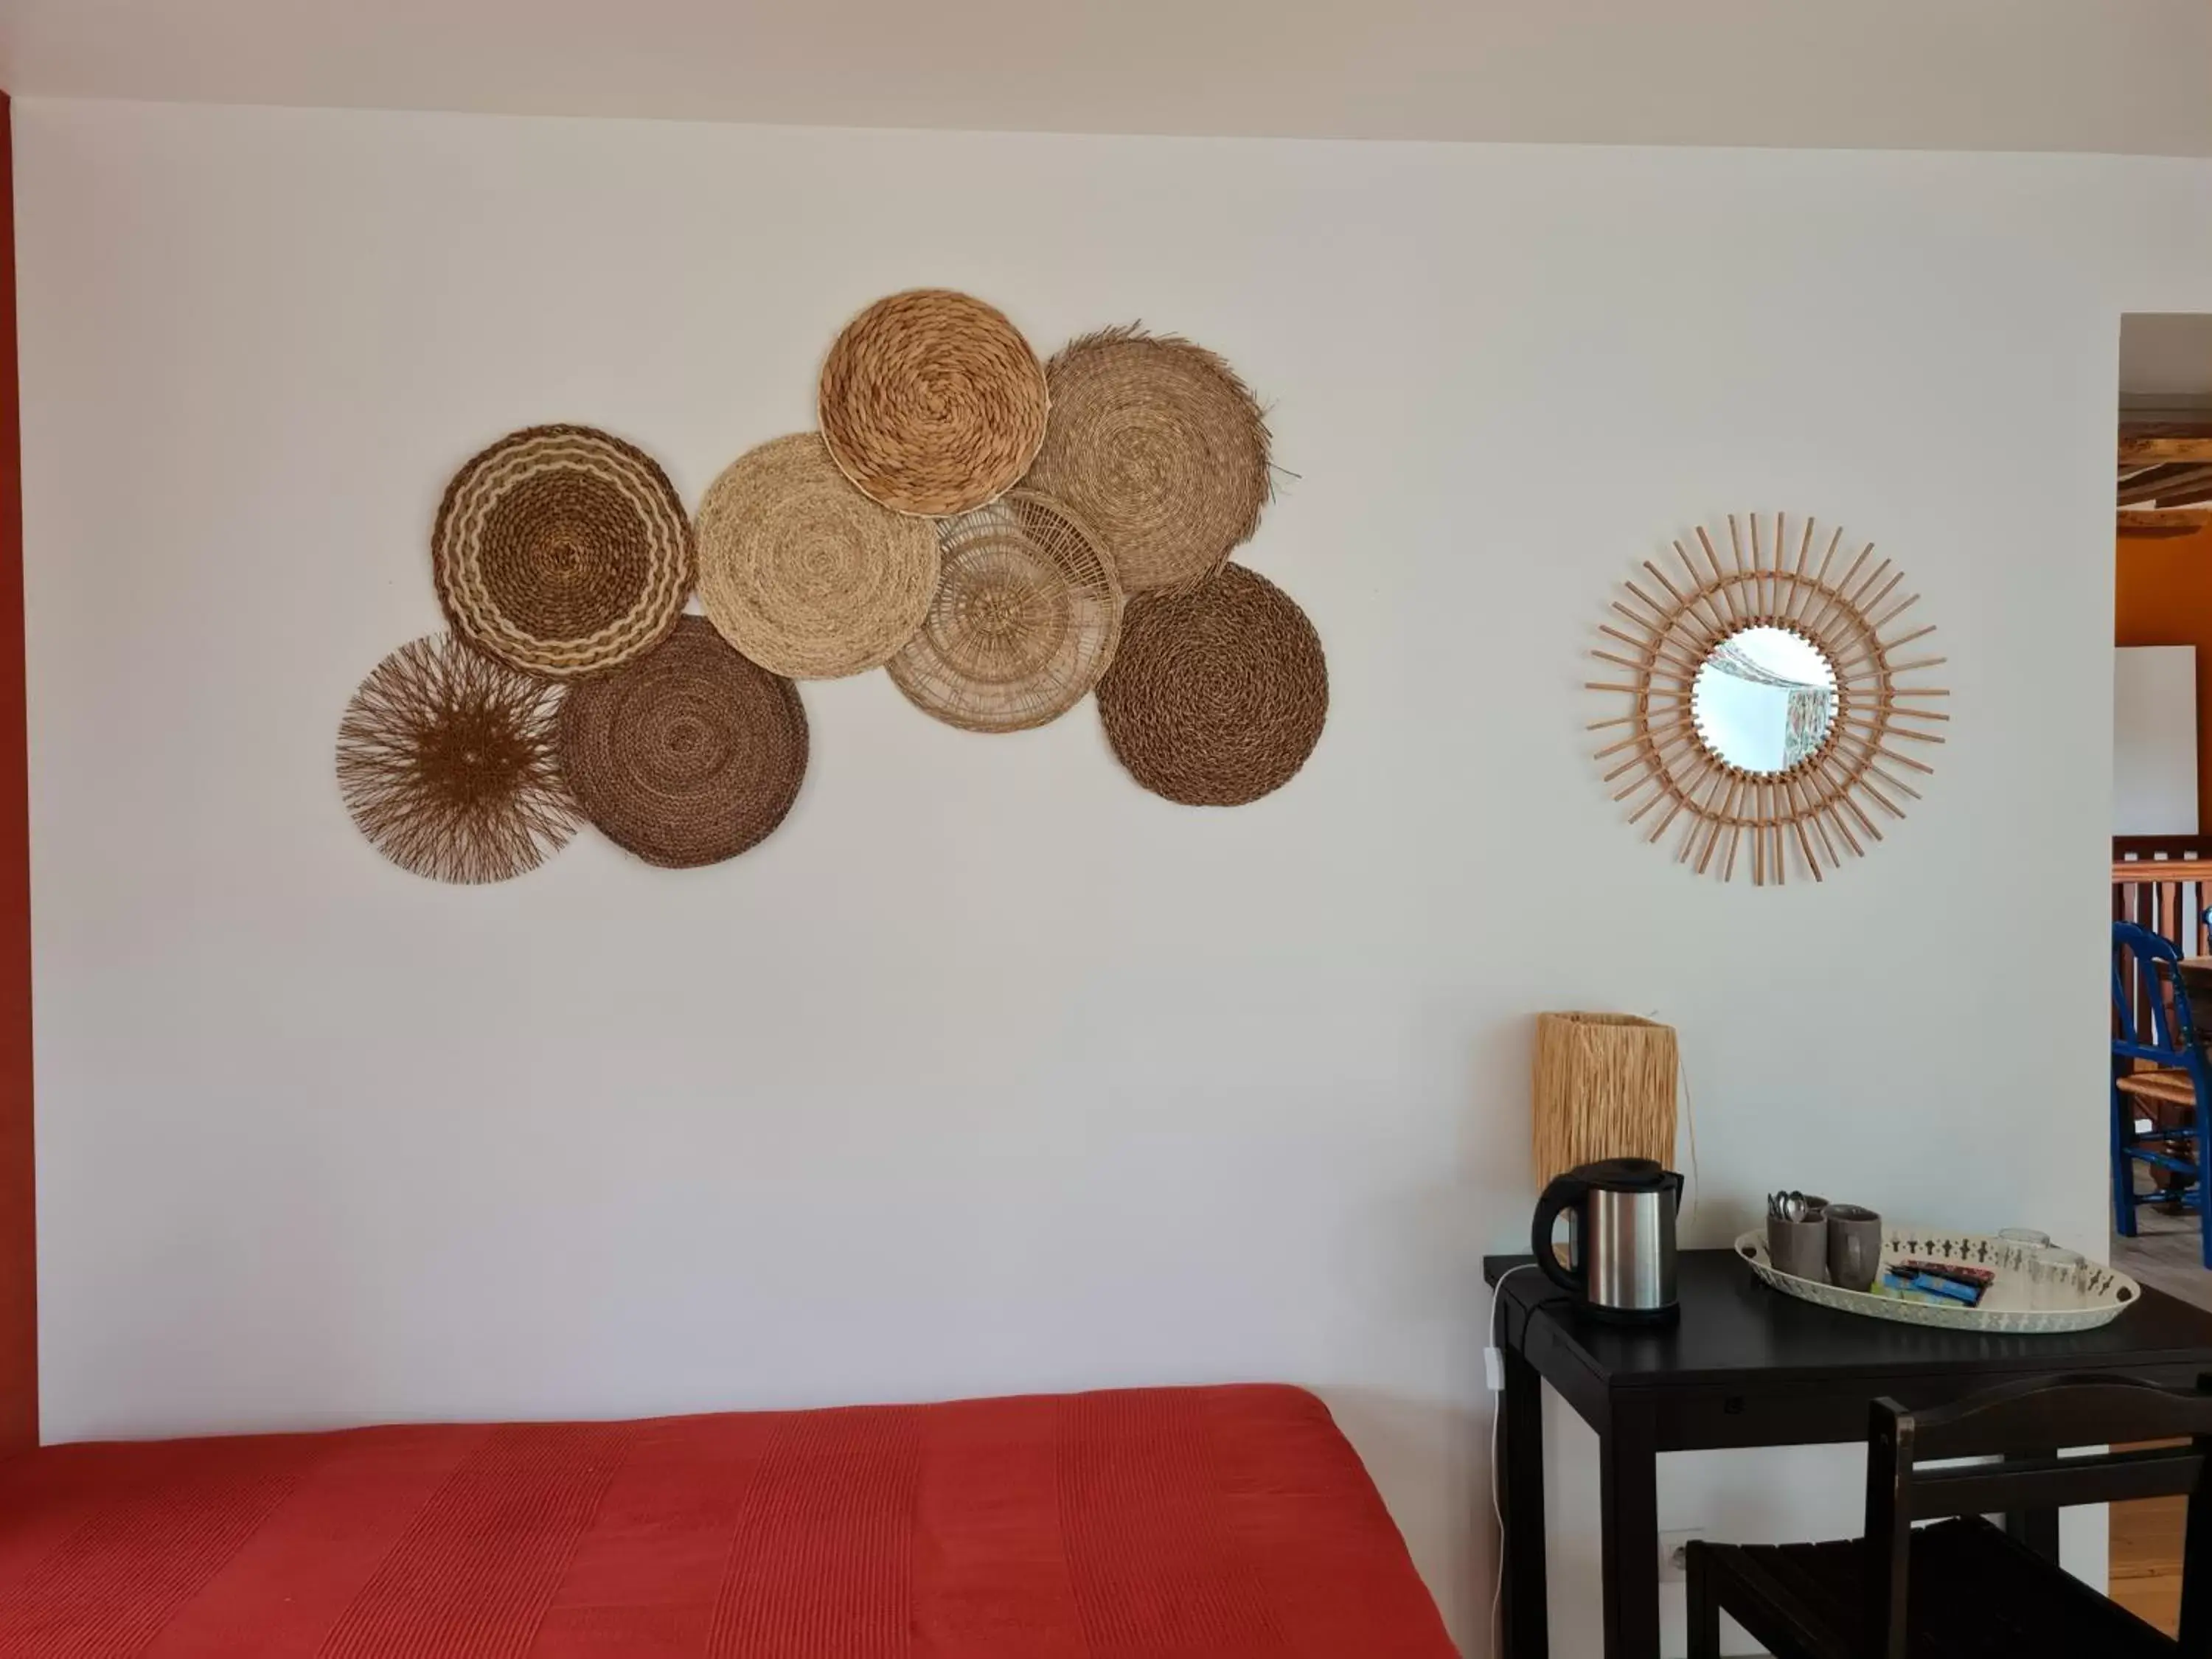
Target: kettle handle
(1565, 1190)
(1676, 1183)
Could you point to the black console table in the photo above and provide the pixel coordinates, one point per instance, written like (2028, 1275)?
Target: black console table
(1748, 1367)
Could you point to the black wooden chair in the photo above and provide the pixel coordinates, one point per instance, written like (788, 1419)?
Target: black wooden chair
(1962, 1589)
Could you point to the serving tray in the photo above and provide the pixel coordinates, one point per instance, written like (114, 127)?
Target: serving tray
(2022, 1299)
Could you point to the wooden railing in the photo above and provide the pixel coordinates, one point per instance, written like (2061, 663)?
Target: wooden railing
(2163, 883)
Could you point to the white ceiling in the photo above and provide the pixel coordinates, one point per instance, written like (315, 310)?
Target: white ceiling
(2062, 75)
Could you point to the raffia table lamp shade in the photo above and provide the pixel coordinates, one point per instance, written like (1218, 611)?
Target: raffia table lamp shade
(1604, 1088)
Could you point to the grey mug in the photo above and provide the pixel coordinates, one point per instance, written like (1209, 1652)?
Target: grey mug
(1799, 1248)
(1853, 1246)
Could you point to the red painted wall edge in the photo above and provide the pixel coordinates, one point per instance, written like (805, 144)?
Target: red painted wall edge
(19, 1276)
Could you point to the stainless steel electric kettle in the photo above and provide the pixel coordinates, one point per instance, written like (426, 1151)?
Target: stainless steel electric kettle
(1621, 1239)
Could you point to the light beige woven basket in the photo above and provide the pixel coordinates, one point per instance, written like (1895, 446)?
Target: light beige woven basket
(802, 573)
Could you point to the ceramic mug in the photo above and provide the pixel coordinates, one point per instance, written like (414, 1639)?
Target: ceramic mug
(1799, 1248)
(1853, 1246)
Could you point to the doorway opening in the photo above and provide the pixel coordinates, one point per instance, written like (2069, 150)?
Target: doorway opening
(2161, 874)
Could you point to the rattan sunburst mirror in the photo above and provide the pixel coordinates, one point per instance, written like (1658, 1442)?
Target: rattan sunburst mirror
(1766, 701)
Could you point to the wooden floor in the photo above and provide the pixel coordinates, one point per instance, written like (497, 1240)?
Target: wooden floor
(2146, 1560)
(2165, 1255)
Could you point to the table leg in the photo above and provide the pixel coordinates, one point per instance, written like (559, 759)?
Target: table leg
(1628, 1476)
(2037, 1529)
(1522, 1612)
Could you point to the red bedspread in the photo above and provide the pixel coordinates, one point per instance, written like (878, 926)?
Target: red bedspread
(1183, 1524)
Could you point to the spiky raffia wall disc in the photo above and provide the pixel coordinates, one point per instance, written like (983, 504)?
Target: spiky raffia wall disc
(448, 760)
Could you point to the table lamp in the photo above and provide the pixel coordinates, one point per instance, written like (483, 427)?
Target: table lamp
(1604, 1088)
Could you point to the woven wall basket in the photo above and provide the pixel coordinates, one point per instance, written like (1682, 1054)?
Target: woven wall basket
(1216, 696)
(805, 575)
(562, 551)
(446, 759)
(1157, 445)
(1026, 620)
(688, 756)
(931, 402)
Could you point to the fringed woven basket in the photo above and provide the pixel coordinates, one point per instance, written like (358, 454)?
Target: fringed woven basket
(1604, 1088)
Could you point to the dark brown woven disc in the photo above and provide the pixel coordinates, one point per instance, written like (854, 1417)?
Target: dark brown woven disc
(562, 550)
(688, 756)
(447, 762)
(1216, 696)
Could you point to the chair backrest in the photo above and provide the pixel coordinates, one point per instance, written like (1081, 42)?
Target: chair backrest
(2147, 976)
(2022, 1424)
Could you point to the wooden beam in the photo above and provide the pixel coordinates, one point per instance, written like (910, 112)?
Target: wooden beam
(2169, 521)
(2158, 452)
(2161, 483)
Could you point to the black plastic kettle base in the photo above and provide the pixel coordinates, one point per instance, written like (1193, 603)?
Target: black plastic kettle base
(1648, 1318)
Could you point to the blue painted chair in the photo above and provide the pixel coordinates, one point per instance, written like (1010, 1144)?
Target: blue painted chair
(2181, 1078)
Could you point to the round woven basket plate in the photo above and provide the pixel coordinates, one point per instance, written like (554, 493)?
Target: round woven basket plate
(2024, 1298)
(688, 756)
(931, 402)
(448, 762)
(1216, 696)
(1026, 620)
(805, 575)
(1157, 445)
(562, 550)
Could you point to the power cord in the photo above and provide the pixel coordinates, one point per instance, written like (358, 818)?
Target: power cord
(1690, 1126)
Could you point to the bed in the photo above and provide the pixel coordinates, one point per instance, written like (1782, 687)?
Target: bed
(1178, 1524)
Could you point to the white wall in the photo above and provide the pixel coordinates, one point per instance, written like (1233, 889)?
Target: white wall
(2154, 739)
(991, 1072)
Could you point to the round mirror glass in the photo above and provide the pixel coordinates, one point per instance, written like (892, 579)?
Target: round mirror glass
(1764, 699)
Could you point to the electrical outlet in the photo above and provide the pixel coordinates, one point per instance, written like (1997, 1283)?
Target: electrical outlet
(1672, 1566)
